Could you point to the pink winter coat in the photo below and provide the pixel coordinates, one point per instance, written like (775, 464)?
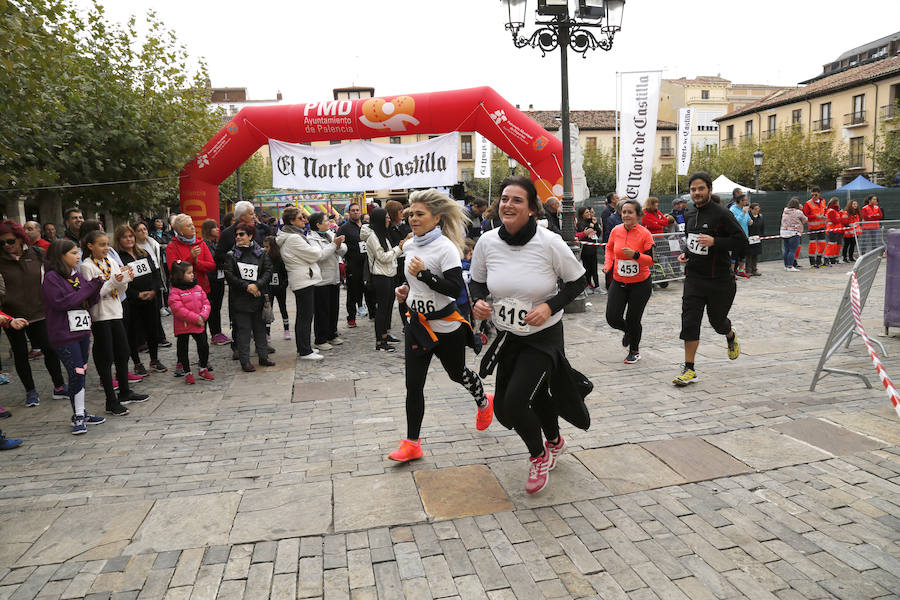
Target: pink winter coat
(186, 306)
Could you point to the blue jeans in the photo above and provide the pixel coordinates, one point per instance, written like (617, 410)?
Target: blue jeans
(74, 358)
(790, 249)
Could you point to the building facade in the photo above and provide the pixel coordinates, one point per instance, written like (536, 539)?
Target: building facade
(848, 108)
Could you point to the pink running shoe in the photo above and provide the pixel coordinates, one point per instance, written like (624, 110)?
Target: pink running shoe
(134, 377)
(538, 473)
(554, 450)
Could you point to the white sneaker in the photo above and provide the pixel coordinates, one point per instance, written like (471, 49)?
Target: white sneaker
(312, 356)
(791, 269)
(325, 346)
(336, 341)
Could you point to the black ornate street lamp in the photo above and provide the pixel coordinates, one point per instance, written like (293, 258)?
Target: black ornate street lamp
(511, 162)
(757, 163)
(558, 28)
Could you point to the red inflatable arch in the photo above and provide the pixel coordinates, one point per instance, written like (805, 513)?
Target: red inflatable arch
(477, 109)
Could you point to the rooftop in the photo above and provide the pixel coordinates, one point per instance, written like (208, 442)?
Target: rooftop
(586, 119)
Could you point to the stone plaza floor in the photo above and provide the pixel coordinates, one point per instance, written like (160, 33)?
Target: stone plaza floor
(276, 484)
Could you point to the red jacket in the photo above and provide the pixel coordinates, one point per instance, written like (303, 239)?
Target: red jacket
(638, 239)
(186, 306)
(870, 215)
(203, 264)
(654, 221)
(834, 218)
(851, 224)
(815, 213)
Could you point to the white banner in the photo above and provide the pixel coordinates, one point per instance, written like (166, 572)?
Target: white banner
(359, 165)
(685, 125)
(637, 133)
(482, 157)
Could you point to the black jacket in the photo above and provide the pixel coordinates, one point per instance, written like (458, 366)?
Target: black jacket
(350, 231)
(757, 227)
(226, 242)
(715, 220)
(144, 283)
(238, 297)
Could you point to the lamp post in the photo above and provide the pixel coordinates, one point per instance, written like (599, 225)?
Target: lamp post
(558, 28)
(757, 163)
(512, 165)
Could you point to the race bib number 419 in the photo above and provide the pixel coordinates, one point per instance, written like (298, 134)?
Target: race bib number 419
(509, 314)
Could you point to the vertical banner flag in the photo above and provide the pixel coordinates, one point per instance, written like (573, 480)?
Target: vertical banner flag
(685, 124)
(637, 133)
(482, 157)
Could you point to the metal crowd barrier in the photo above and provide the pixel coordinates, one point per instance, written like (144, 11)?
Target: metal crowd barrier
(844, 326)
(666, 249)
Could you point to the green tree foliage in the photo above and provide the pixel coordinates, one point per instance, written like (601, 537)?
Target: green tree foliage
(887, 148)
(256, 176)
(88, 101)
(600, 172)
(499, 171)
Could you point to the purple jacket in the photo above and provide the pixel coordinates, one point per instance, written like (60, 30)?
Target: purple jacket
(59, 298)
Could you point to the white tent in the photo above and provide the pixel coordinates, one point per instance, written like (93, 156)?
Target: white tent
(724, 186)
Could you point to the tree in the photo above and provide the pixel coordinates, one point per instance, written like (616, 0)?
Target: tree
(256, 175)
(795, 161)
(887, 149)
(663, 181)
(92, 102)
(600, 171)
(499, 171)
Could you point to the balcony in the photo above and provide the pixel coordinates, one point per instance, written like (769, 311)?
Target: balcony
(857, 161)
(728, 142)
(667, 152)
(855, 119)
(768, 134)
(891, 111)
(821, 126)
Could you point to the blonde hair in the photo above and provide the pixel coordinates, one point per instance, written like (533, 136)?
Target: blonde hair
(179, 220)
(453, 220)
(650, 201)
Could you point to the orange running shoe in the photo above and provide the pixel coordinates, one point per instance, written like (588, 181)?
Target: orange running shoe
(408, 450)
(485, 415)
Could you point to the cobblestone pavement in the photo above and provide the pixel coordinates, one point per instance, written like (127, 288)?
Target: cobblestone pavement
(275, 484)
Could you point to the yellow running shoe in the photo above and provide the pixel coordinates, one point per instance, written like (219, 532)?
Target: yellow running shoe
(734, 347)
(687, 377)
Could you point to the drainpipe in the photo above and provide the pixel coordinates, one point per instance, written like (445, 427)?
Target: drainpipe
(874, 128)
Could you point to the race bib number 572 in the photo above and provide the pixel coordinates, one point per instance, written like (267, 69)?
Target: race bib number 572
(694, 246)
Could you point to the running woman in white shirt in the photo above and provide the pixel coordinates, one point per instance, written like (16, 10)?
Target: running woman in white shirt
(519, 265)
(436, 328)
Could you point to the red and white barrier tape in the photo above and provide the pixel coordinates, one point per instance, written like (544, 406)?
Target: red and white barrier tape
(765, 237)
(856, 310)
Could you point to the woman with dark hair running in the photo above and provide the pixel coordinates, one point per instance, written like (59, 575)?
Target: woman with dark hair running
(629, 256)
(518, 266)
(436, 328)
(382, 257)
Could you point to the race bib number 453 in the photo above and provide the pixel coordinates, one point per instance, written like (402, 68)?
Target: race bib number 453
(627, 268)
(509, 314)
(694, 246)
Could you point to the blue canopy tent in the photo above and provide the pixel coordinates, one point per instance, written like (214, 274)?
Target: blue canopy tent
(859, 184)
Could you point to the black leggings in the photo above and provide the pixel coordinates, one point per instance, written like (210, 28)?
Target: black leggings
(451, 350)
(181, 347)
(589, 260)
(327, 302)
(111, 347)
(634, 297)
(383, 287)
(353, 272)
(522, 398)
(142, 324)
(37, 332)
(216, 295)
(849, 248)
(279, 294)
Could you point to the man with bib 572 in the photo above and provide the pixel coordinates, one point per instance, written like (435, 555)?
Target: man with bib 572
(711, 233)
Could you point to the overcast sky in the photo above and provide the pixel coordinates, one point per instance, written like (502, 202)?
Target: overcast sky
(305, 48)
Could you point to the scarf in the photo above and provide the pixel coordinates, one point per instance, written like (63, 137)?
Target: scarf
(424, 240)
(254, 248)
(106, 269)
(521, 237)
(189, 241)
(73, 279)
(294, 229)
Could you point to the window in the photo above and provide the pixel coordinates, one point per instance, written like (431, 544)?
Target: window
(796, 115)
(334, 142)
(859, 104)
(465, 147)
(665, 146)
(590, 144)
(352, 95)
(771, 121)
(395, 139)
(704, 94)
(729, 132)
(467, 175)
(856, 152)
(748, 128)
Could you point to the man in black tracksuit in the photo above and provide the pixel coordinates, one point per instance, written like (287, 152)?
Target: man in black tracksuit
(353, 260)
(711, 233)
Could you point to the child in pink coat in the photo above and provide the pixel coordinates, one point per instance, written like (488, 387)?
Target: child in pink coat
(190, 309)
